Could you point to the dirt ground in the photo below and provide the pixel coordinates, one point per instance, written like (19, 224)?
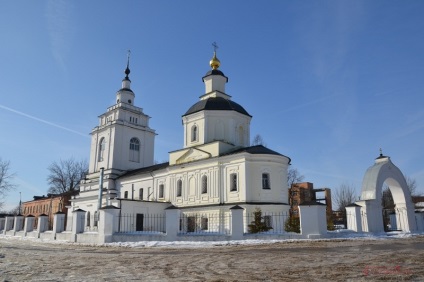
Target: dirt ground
(391, 259)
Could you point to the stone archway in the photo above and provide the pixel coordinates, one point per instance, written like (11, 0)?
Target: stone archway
(384, 171)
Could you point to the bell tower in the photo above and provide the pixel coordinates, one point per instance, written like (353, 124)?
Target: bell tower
(123, 139)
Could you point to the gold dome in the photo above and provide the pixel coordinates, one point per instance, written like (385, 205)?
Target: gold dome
(215, 63)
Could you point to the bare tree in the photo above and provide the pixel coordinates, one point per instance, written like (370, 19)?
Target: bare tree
(294, 176)
(6, 177)
(66, 175)
(258, 140)
(343, 196)
(387, 201)
(412, 186)
(387, 197)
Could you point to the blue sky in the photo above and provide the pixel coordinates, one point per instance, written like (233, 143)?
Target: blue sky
(328, 83)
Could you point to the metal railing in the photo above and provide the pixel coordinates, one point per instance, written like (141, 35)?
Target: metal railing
(142, 223)
(203, 224)
(266, 222)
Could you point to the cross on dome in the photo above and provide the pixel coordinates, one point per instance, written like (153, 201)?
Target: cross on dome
(127, 70)
(214, 63)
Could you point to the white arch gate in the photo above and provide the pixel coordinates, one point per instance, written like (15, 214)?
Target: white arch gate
(369, 209)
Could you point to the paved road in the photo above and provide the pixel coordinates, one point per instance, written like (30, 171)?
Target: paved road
(336, 260)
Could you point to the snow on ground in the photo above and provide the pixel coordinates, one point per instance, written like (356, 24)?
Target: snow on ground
(335, 235)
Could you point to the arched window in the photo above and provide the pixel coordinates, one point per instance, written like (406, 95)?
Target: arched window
(88, 219)
(134, 150)
(102, 147)
(96, 218)
(204, 184)
(265, 181)
(140, 194)
(179, 188)
(161, 191)
(194, 133)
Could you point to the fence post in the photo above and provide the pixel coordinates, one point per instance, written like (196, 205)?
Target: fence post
(19, 223)
(237, 226)
(29, 224)
(108, 223)
(42, 224)
(172, 220)
(2, 224)
(313, 219)
(8, 224)
(78, 219)
(58, 223)
(353, 217)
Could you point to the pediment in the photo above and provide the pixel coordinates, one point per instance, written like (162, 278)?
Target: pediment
(193, 154)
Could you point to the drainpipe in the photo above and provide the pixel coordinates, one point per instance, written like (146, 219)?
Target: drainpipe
(99, 205)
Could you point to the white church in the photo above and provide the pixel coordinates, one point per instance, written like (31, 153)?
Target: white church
(216, 168)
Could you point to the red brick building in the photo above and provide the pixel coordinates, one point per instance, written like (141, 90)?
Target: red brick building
(304, 192)
(48, 205)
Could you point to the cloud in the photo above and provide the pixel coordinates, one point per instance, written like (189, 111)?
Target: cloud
(60, 28)
(42, 120)
(414, 123)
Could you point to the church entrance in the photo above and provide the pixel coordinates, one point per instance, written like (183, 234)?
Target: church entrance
(400, 216)
(139, 222)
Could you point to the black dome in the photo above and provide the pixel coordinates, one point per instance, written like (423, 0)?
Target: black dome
(216, 104)
(214, 72)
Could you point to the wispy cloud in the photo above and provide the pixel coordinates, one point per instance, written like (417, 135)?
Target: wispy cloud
(42, 120)
(413, 124)
(61, 30)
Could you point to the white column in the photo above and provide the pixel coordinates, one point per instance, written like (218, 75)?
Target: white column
(108, 223)
(19, 223)
(43, 224)
(29, 224)
(237, 226)
(8, 224)
(78, 220)
(172, 214)
(353, 218)
(313, 220)
(58, 223)
(2, 224)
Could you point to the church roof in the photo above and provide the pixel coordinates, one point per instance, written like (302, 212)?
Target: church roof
(216, 104)
(145, 169)
(257, 149)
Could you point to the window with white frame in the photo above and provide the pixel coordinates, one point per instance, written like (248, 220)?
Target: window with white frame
(179, 188)
(88, 219)
(102, 147)
(96, 218)
(134, 150)
(233, 182)
(161, 191)
(140, 194)
(265, 181)
(126, 195)
(204, 184)
(194, 133)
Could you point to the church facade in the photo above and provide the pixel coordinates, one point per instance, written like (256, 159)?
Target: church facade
(215, 169)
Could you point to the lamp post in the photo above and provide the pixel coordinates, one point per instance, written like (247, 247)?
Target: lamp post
(20, 204)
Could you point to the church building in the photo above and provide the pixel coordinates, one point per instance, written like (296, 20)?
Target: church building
(215, 169)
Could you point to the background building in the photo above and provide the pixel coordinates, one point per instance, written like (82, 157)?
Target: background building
(48, 205)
